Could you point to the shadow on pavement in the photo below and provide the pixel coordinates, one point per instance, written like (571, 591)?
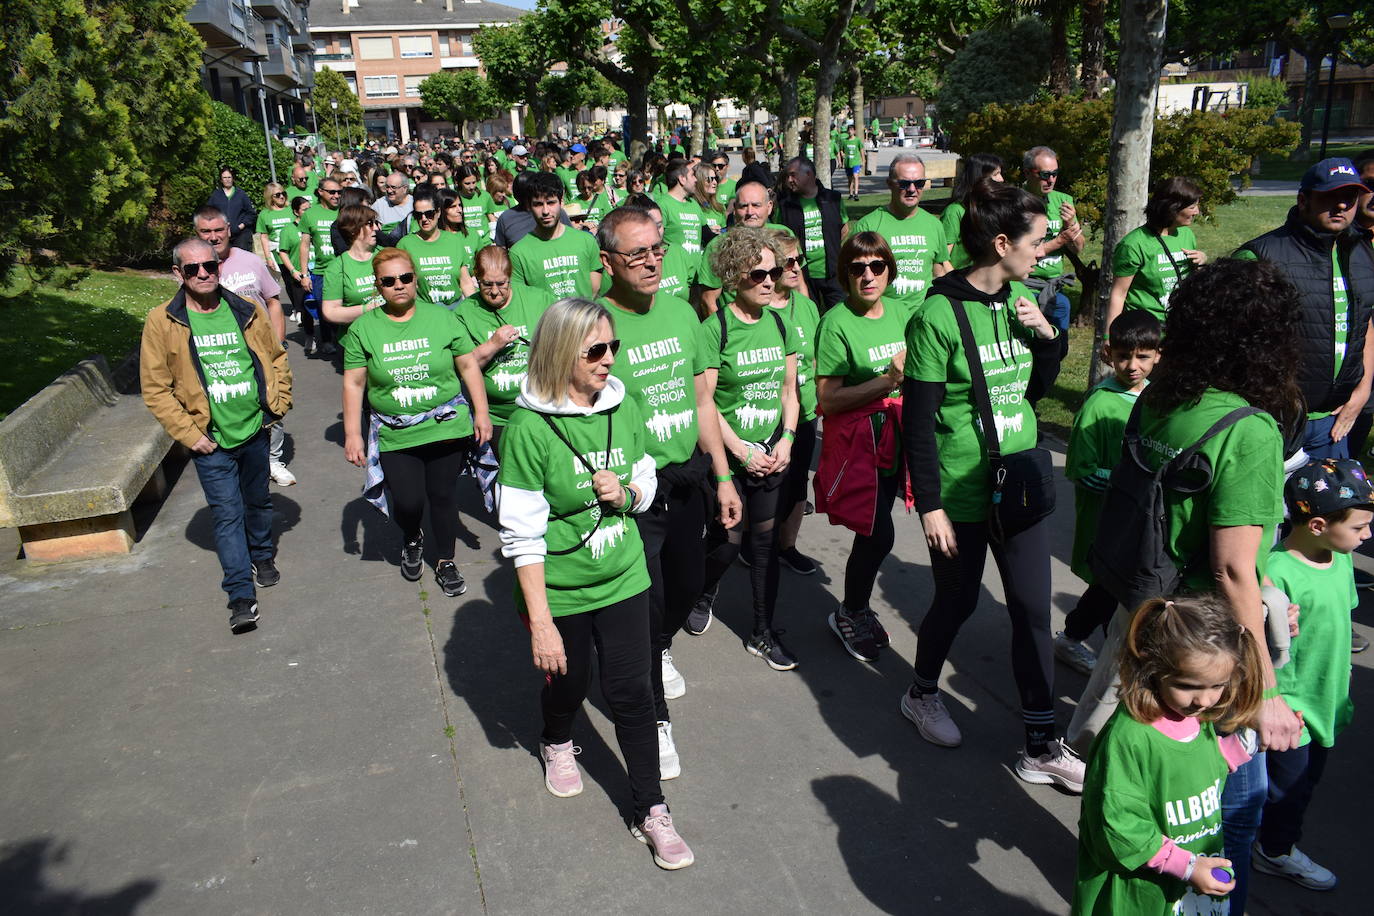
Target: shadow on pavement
(200, 530)
(26, 889)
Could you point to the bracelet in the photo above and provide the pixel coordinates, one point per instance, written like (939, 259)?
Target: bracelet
(629, 500)
(1192, 864)
(748, 455)
(789, 435)
(1271, 692)
(724, 478)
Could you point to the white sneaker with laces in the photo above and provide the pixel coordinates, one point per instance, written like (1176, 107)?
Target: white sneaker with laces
(927, 712)
(280, 475)
(669, 765)
(674, 684)
(1059, 765)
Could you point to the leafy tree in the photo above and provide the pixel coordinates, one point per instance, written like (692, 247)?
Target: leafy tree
(517, 58)
(330, 87)
(1266, 92)
(103, 108)
(237, 142)
(979, 75)
(459, 97)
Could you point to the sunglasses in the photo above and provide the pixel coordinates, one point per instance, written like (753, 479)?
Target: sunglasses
(404, 279)
(790, 263)
(758, 275)
(909, 184)
(425, 214)
(1047, 174)
(193, 268)
(278, 193)
(598, 350)
(857, 268)
(331, 190)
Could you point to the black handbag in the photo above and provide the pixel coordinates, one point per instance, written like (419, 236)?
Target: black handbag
(1023, 482)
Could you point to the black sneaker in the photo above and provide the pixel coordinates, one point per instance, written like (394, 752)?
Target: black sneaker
(769, 647)
(880, 637)
(413, 558)
(243, 615)
(699, 620)
(855, 633)
(449, 578)
(809, 508)
(265, 573)
(797, 561)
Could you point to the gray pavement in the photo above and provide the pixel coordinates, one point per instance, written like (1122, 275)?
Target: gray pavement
(370, 748)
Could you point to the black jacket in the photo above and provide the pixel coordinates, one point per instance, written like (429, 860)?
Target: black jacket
(790, 215)
(236, 209)
(1304, 256)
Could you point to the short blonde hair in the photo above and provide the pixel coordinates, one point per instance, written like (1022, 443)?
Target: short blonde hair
(557, 346)
(738, 251)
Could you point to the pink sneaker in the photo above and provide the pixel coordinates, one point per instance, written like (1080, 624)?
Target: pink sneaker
(561, 775)
(657, 832)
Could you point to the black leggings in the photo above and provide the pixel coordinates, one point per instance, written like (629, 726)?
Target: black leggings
(799, 471)
(295, 294)
(620, 633)
(759, 496)
(869, 551)
(426, 473)
(675, 549)
(1094, 609)
(1024, 564)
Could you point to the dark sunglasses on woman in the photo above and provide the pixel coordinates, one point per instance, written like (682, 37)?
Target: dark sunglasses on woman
(758, 275)
(598, 350)
(404, 279)
(857, 268)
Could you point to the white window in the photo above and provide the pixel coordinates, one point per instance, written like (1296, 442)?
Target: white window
(417, 46)
(352, 82)
(321, 46)
(381, 87)
(443, 46)
(413, 84)
(374, 48)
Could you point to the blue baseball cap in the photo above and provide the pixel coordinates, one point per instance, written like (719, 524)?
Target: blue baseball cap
(578, 148)
(1330, 174)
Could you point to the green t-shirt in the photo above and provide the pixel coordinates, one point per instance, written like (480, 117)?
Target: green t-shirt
(660, 355)
(918, 244)
(597, 207)
(272, 222)
(725, 191)
(410, 369)
(439, 263)
(859, 348)
(1142, 256)
(801, 315)
(1141, 786)
(1247, 478)
(679, 272)
(289, 245)
(1052, 265)
(227, 367)
(751, 370)
(569, 177)
(949, 221)
(1094, 449)
(611, 566)
(475, 210)
(1316, 680)
(292, 192)
(813, 237)
(562, 265)
(935, 353)
(351, 281)
(682, 222)
(507, 368)
(315, 224)
(853, 152)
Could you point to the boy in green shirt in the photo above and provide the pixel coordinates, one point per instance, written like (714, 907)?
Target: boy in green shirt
(1132, 351)
(553, 256)
(1330, 503)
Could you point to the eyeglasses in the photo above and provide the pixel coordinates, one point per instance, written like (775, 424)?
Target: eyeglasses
(193, 268)
(404, 279)
(597, 351)
(909, 184)
(1047, 174)
(758, 275)
(640, 255)
(857, 268)
(425, 214)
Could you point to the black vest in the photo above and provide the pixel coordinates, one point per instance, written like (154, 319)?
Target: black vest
(790, 215)
(1304, 257)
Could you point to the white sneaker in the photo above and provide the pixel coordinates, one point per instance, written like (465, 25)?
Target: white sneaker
(1296, 867)
(674, 684)
(280, 475)
(1059, 766)
(927, 712)
(669, 766)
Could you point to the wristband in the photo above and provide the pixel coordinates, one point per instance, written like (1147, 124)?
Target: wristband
(789, 435)
(748, 455)
(1192, 864)
(629, 500)
(1270, 692)
(724, 478)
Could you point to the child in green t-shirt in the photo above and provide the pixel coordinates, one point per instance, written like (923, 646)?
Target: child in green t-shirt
(1150, 836)
(1330, 504)
(1131, 349)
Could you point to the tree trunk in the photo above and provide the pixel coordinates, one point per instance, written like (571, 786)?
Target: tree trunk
(856, 104)
(826, 78)
(1059, 48)
(1311, 92)
(698, 144)
(1094, 41)
(1133, 126)
(637, 107)
(788, 104)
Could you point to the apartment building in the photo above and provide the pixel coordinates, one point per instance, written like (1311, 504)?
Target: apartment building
(250, 42)
(385, 48)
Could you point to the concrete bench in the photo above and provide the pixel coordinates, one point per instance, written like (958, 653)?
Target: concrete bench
(73, 460)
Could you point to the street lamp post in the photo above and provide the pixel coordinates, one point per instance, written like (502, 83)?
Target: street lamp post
(261, 86)
(334, 104)
(1338, 24)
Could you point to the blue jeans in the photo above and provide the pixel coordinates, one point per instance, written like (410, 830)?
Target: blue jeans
(1241, 803)
(235, 485)
(1059, 314)
(1316, 440)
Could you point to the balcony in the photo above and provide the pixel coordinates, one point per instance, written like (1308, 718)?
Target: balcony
(281, 63)
(227, 24)
(274, 9)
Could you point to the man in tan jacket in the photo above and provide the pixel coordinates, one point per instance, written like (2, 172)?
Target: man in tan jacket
(214, 374)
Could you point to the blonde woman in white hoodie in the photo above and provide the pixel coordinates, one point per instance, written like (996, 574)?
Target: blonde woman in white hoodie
(573, 473)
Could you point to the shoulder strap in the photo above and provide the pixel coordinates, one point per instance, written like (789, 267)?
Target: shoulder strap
(720, 316)
(1159, 236)
(583, 461)
(1232, 418)
(977, 381)
(781, 329)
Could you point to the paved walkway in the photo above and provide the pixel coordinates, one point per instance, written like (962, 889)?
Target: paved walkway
(370, 749)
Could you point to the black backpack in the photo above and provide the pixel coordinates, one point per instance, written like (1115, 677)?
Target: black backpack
(1128, 555)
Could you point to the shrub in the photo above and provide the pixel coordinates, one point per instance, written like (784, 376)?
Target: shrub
(237, 142)
(1209, 147)
(1007, 65)
(1266, 92)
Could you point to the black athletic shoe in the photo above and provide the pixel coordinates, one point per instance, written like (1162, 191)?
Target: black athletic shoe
(413, 558)
(798, 562)
(243, 615)
(265, 573)
(768, 647)
(449, 578)
(699, 620)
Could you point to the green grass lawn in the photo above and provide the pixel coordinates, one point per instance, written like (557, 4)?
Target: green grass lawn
(46, 331)
(1282, 168)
